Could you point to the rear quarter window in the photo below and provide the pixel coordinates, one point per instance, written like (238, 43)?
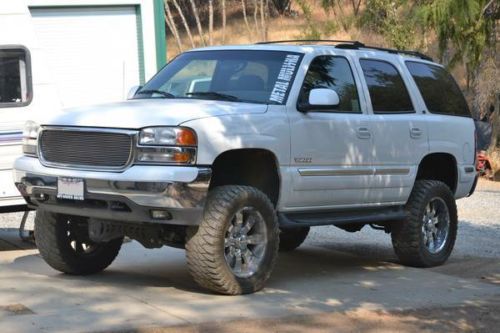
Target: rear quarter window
(439, 90)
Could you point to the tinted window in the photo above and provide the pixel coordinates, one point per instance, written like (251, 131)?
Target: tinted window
(240, 75)
(332, 73)
(439, 90)
(15, 84)
(387, 89)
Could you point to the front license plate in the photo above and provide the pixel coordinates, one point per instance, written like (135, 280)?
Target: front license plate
(70, 188)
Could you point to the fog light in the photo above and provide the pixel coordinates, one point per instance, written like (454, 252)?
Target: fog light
(158, 214)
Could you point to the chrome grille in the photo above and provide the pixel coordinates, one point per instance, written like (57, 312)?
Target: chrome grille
(95, 149)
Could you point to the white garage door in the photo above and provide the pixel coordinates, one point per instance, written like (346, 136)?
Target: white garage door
(92, 52)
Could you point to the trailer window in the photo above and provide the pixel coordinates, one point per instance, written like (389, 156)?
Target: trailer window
(15, 77)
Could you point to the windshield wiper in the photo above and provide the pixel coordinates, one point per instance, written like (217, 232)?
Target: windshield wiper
(214, 95)
(155, 91)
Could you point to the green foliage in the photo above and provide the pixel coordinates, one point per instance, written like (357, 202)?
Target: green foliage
(462, 24)
(391, 18)
(311, 30)
(331, 27)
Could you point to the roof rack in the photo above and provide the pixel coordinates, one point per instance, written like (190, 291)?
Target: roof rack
(393, 51)
(352, 45)
(349, 42)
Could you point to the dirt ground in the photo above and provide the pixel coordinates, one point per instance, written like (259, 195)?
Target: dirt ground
(481, 317)
(478, 317)
(336, 282)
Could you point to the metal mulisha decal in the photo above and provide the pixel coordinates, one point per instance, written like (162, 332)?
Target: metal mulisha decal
(284, 77)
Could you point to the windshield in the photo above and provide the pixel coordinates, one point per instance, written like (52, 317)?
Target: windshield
(232, 75)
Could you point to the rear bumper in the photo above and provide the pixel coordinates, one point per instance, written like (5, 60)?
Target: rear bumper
(128, 196)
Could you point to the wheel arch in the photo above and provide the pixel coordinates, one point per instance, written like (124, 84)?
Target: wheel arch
(255, 167)
(439, 166)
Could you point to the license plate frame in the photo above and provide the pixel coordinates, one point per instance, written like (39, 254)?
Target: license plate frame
(71, 188)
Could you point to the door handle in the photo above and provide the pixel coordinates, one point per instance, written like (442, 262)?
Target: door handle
(415, 132)
(364, 133)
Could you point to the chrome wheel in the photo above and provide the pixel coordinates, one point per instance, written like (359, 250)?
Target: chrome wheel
(245, 242)
(78, 237)
(436, 225)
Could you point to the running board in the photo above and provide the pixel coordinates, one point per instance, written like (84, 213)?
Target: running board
(338, 218)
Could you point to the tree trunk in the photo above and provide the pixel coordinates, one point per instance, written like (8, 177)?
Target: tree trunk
(266, 22)
(171, 25)
(245, 18)
(262, 21)
(355, 6)
(198, 23)
(342, 17)
(255, 12)
(210, 21)
(184, 22)
(223, 11)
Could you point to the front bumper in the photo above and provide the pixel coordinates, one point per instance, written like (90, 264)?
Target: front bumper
(128, 196)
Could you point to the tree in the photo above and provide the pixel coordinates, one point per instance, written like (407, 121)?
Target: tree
(198, 23)
(463, 25)
(337, 7)
(262, 21)
(255, 12)
(171, 25)
(184, 22)
(223, 12)
(210, 21)
(245, 18)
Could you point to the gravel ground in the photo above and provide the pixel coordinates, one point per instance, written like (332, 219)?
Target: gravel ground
(479, 230)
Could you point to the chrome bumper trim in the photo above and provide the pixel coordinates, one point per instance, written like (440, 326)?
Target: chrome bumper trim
(180, 190)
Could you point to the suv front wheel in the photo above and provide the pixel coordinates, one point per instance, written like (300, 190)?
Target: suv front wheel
(428, 235)
(64, 243)
(234, 249)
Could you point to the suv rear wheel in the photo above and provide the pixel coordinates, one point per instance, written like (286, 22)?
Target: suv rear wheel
(64, 243)
(427, 237)
(234, 249)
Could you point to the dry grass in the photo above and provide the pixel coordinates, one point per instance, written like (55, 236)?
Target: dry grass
(281, 28)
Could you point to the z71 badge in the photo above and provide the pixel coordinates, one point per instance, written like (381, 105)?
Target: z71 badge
(303, 159)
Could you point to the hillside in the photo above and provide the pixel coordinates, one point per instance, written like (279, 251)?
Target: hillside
(293, 26)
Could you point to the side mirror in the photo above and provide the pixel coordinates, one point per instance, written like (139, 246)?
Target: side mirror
(321, 99)
(132, 91)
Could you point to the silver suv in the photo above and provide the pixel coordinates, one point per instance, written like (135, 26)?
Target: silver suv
(234, 152)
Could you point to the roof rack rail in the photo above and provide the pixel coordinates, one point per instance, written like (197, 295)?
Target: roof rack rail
(350, 42)
(393, 51)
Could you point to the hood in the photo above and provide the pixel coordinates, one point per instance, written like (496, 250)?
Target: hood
(140, 113)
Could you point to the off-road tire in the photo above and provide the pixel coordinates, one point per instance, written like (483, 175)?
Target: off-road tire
(292, 238)
(55, 248)
(407, 238)
(205, 244)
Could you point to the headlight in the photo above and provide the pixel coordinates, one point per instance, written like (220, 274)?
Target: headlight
(30, 136)
(166, 145)
(167, 136)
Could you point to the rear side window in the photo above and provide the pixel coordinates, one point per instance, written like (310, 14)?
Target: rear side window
(386, 87)
(439, 90)
(15, 77)
(332, 73)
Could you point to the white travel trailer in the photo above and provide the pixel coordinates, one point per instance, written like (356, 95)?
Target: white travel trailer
(64, 53)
